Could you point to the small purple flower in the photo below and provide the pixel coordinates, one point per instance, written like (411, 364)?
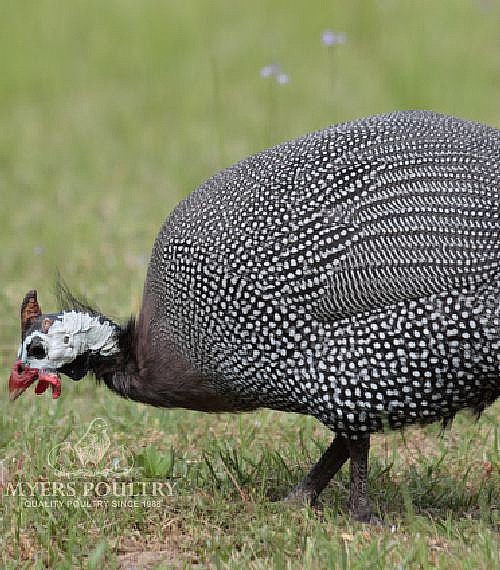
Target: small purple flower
(282, 78)
(273, 69)
(329, 38)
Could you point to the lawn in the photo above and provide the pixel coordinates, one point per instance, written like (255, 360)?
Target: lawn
(110, 113)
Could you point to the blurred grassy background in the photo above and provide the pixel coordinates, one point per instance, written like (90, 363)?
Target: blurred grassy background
(111, 112)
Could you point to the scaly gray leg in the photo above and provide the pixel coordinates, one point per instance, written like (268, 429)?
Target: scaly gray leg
(317, 479)
(359, 503)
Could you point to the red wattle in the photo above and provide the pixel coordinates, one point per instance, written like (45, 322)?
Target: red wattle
(21, 377)
(46, 379)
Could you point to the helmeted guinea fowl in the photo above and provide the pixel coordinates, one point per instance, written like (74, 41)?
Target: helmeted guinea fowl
(351, 274)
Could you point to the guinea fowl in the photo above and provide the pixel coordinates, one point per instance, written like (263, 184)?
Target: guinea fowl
(351, 274)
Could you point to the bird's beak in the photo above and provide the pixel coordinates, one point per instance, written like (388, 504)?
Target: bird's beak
(21, 378)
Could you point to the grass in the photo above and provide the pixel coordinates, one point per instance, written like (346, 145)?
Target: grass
(111, 112)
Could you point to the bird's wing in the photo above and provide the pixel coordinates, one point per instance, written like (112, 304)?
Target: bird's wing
(382, 225)
(428, 235)
(360, 289)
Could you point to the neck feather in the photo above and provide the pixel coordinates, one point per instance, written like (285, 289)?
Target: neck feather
(117, 365)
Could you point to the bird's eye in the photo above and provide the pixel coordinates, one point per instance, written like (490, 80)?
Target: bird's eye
(36, 350)
(66, 339)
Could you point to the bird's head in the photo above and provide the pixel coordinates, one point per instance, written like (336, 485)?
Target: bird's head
(55, 343)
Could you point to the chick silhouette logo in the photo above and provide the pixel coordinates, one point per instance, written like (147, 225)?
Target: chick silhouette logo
(92, 455)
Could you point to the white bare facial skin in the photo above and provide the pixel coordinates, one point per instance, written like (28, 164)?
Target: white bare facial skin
(69, 336)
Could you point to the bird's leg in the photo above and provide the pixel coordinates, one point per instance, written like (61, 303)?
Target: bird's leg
(359, 503)
(317, 479)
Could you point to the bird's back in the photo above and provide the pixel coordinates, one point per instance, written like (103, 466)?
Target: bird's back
(352, 273)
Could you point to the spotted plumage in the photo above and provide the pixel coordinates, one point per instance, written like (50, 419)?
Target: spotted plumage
(352, 274)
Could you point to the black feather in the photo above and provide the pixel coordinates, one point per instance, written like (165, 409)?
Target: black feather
(67, 301)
